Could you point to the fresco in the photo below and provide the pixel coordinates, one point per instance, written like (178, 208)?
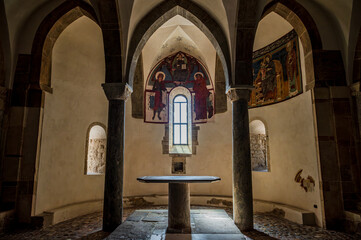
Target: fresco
(276, 71)
(179, 69)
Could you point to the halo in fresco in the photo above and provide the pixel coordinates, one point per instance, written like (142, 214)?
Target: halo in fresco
(179, 69)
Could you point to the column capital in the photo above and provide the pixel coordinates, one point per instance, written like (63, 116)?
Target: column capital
(117, 91)
(355, 89)
(238, 93)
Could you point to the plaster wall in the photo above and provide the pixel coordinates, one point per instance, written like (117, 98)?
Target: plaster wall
(144, 156)
(291, 135)
(292, 147)
(78, 69)
(291, 144)
(270, 28)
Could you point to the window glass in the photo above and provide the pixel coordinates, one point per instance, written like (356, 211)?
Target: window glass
(180, 120)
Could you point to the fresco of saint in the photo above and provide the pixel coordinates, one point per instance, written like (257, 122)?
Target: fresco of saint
(291, 66)
(160, 93)
(269, 82)
(201, 96)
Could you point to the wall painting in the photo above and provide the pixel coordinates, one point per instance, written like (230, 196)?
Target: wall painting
(276, 71)
(179, 69)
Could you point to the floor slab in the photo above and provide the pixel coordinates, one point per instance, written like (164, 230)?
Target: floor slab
(152, 224)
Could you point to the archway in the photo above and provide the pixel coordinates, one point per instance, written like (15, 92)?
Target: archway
(161, 14)
(324, 76)
(47, 34)
(36, 70)
(305, 28)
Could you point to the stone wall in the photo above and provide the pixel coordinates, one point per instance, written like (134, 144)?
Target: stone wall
(96, 156)
(259, 152)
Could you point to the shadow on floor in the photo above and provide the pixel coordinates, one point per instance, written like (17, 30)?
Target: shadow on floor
(95, 236)
(256, 235)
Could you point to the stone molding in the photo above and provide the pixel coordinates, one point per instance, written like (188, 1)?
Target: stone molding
(356, 94)
(117, 91)
(238, 93)
(355, 89)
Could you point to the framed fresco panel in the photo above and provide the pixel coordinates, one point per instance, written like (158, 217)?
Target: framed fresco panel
(156, 107)
(179, 69)
(202, 112)
(276, 72)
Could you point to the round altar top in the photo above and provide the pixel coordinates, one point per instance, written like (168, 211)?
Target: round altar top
(178, 179)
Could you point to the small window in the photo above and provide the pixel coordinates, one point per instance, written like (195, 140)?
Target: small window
(259, 146)
(96, 150)
(180, 120)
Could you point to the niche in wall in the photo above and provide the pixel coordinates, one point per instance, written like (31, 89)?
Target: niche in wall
(259, 146)
(96, 149)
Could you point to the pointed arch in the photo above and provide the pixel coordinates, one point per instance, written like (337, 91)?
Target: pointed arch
(48, 32)
(165, 11)
(306, 29)
(32, 78)
(298, 17)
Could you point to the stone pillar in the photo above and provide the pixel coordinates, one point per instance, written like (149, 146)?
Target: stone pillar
(179, 208)
(117, 94)
(356, 94)
(242, 172)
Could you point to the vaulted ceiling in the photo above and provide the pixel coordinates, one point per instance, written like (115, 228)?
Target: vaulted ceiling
(334, 19)
(178, 34)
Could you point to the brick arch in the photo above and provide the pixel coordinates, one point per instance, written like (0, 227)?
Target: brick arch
(165, 11)
(357, 60)
(306, 30)
(48, 32)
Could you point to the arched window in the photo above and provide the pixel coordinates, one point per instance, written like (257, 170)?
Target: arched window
(95, 150)
(259, 146)
(180, 121)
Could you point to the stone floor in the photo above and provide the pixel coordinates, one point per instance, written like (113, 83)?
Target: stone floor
(152, 224)
(267, 226)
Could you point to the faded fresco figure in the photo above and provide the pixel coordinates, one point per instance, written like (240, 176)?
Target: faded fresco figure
(179, 68)
(201, 96)
(291, 66)
(269, 82)
(160, 93)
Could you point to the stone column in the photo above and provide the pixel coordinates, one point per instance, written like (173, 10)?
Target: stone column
(117, 94)
(242, 172)
(179, 208)
(356, 94)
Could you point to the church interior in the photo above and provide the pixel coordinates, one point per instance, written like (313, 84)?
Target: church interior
(180, 119)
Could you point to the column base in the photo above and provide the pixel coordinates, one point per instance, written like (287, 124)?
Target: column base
(179, 231)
